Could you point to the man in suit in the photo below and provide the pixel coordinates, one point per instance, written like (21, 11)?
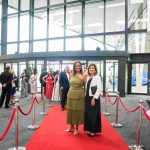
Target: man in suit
(6, 81)
(64, 86)
(43, 84)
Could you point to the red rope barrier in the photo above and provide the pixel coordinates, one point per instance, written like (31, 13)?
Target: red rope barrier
(147, 117)
(112, 103)
(41, 98)
(28, 111)
(127, 110)
(9, 124)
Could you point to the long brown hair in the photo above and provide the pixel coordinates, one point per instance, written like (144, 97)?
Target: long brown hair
(74, 71)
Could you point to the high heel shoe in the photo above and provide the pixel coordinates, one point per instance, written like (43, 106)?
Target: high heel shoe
(76, 132)
(69, 130)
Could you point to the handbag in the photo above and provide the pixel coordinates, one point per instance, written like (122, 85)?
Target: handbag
(93, 89)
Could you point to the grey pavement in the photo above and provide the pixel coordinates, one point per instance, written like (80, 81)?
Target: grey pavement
(127, 119)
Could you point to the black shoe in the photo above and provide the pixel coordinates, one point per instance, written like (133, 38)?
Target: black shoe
(7, 107)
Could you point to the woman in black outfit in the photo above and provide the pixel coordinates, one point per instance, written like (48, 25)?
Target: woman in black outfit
(92, 116)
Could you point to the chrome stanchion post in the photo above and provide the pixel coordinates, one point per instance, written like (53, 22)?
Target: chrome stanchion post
(17, 131)
(137, 146)
(43, 113)
(33, 126)
(106, 113)
(116, 124)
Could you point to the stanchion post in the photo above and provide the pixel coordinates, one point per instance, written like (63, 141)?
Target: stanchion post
(137, 146)
(106, 113)
(116, 124)
(33, 126)
(43, 113)
(17, 147)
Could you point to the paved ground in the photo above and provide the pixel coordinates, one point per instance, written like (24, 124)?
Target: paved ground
(128, 120)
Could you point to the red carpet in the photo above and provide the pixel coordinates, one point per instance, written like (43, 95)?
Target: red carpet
(51, 135)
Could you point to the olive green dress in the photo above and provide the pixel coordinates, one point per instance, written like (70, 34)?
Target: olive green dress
(75, 101)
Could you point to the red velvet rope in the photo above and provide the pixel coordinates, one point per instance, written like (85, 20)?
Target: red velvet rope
(112, 103)
(127, 110)
(9, 124)
(147, 117)
(29, 109)
(41, 98)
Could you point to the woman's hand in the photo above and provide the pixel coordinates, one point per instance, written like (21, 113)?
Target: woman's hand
(93, 102)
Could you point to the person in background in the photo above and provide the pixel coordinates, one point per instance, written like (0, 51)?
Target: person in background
(92, 113)
(24, 83)
(75, 98)
(64, 86)
(6, 81)
(33, 82)
(13, 89)
(56, 90)
(49, 79)
(43, 84)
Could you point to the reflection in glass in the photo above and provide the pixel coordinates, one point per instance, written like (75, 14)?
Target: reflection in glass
(94, 43)
(73, 20)
(56, 22)
(139, 43)
(25, 5)
(24, 47)
(115, 21)
(24, 27)
(139, 78)
(39, 46)
(54, 2)
(94, 16)
(11, 48)
(12, 6)
(56, 45)
(40, 3)
(73, 44)
(40, 24)
(115, 42)
(137, 15)
(12, 28)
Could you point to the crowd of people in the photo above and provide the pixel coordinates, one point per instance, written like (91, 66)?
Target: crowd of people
(77, 91)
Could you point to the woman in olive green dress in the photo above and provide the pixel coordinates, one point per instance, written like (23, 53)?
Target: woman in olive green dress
(75, 99)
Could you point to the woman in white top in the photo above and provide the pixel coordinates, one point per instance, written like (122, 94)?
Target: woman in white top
(92, 117)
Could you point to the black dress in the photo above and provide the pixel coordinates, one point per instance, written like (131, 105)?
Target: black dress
(92, 116)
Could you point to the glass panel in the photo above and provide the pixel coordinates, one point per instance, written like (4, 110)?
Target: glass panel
(25, 5)
(0, 20)
(139, 78)
(137, 14)
(40, 3)
(12, 28)
(55, 65)
(11, 48)
(56, 45)
(24, 26)
(22, 66)
(39, 46)
(24, 47)
(94, 43)
(56, 24)
(54, 2)
(112, 75)
(115, 21)
(139, 43)
(1, 67)
(94, 16)
(115, 42)
(71, 0)
(40, 24)
(73, 20)
(12, 6)
(73, 44)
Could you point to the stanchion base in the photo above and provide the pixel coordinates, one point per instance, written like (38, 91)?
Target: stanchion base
(106, 113)
(116, 125)
(33, 127)
(19, 148)
(43, 113)
(48, 105)
(136, 147)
